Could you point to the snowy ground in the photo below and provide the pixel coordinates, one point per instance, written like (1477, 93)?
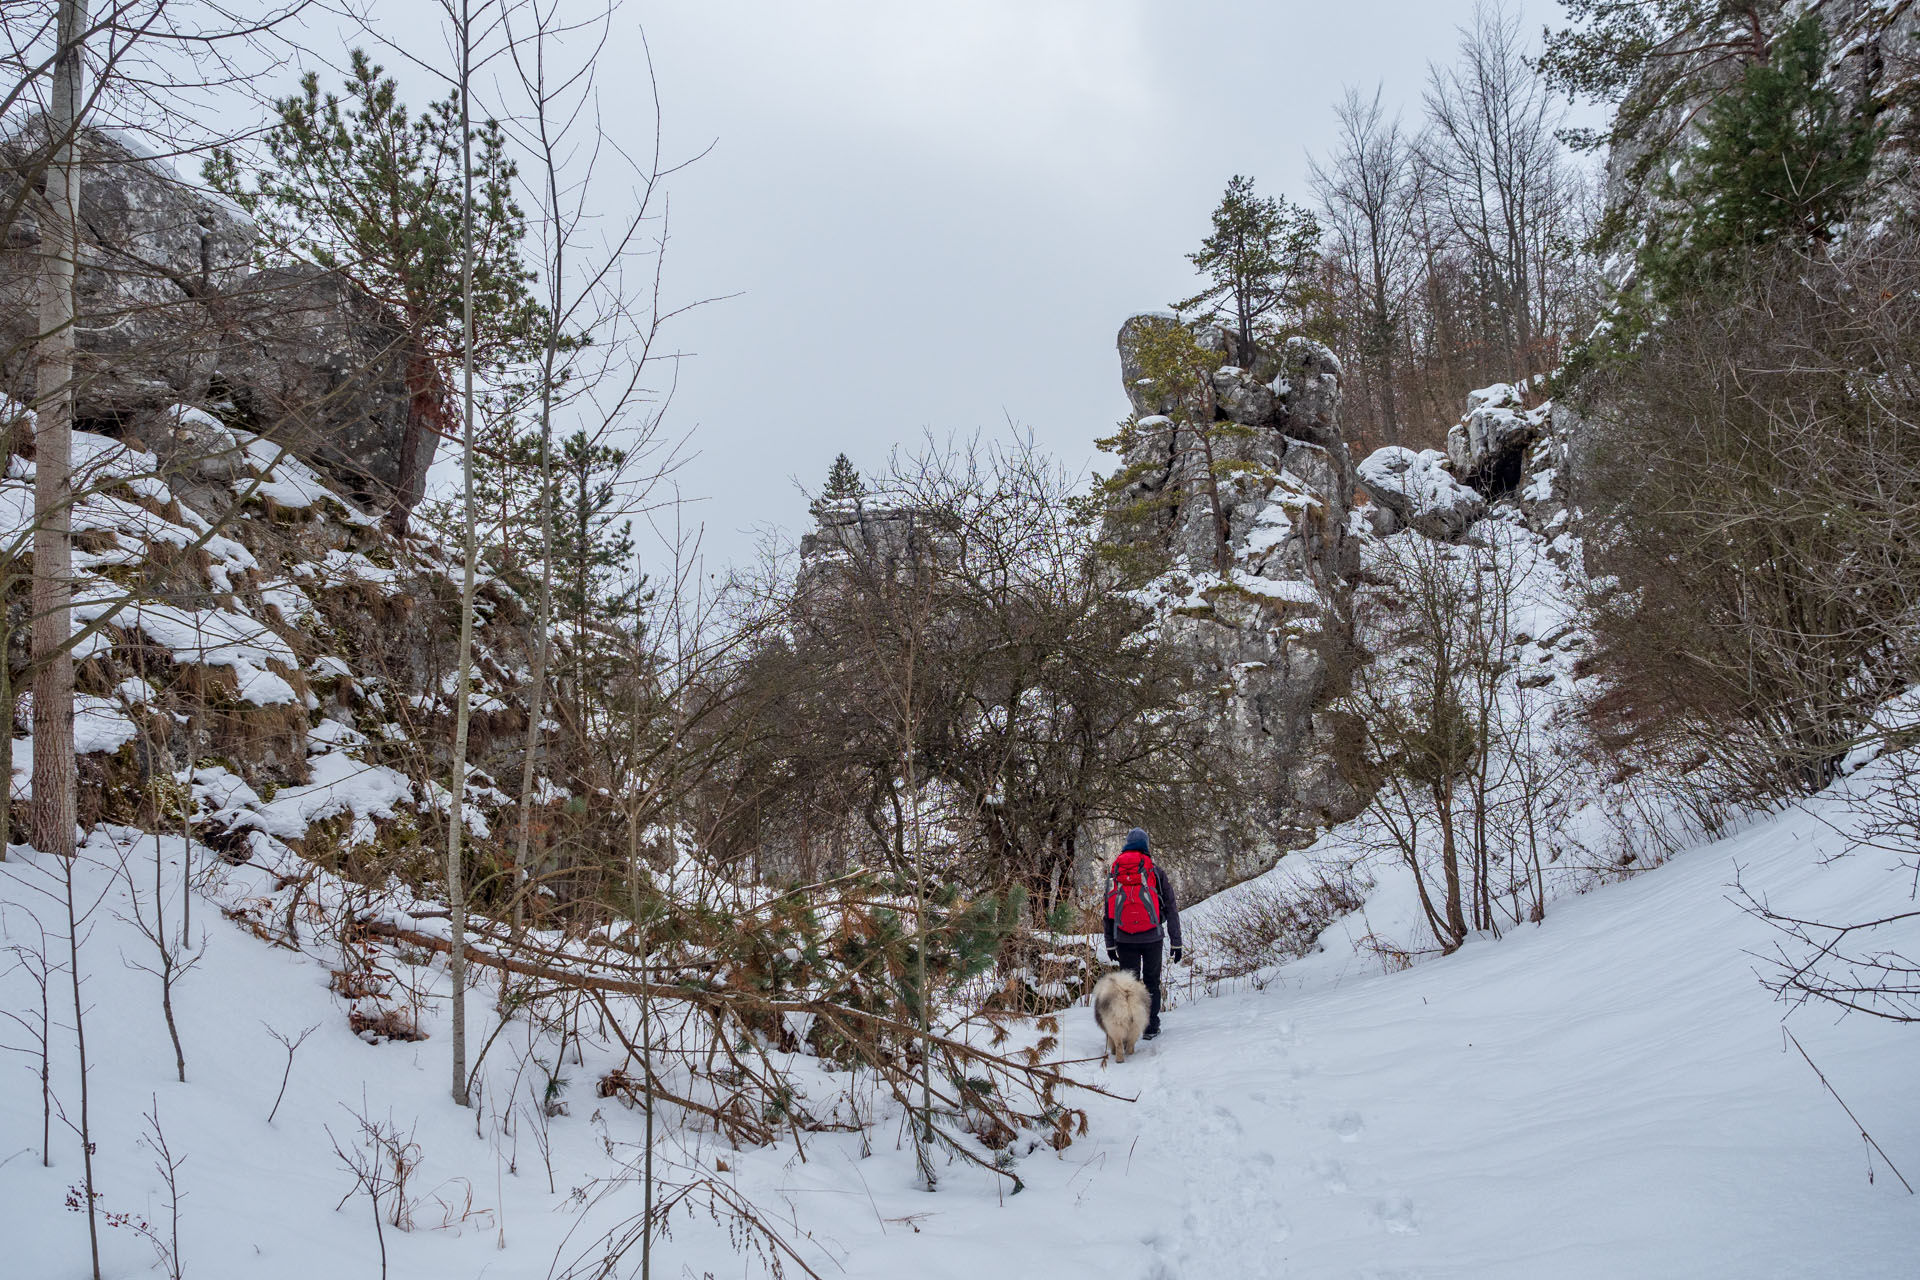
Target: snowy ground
(1606, 1094)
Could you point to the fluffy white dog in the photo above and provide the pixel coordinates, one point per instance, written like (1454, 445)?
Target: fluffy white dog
(1120, 1006)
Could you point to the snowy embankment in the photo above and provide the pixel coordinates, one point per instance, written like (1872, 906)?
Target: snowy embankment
(1604, 1094)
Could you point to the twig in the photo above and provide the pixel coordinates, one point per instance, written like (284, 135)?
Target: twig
(1864, 1135)
(292, 1046)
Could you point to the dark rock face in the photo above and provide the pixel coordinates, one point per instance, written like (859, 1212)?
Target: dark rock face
(172, 313)
(311, 363)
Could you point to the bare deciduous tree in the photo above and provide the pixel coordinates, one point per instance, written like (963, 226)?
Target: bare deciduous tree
(1496, 170)
(1370, 197)
(1449, 735)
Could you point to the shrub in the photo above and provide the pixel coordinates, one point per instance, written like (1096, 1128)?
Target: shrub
(1265, 922)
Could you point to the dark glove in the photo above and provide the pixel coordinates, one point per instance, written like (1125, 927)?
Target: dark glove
(1113, 956)
(1174, 955)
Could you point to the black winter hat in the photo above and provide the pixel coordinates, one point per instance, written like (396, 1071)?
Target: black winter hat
(1136, 840)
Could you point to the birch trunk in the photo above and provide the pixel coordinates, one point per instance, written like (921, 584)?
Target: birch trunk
(52, 597)
(549, 363)
(456, 871)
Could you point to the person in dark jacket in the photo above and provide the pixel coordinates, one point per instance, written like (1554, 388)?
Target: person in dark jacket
(1140, 952)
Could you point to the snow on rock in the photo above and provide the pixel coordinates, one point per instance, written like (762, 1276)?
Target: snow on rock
(290, 602)
(212, 446)
(290, 482)
(339, 568)
(218, 788)
(1486, 447)
(1198, 591)
(100, 725)
(341, 784)
(1420, 491)
(100, 460)
(211, 637)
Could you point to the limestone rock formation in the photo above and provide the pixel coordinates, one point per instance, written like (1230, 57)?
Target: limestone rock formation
(1487, 446)
(1420, 492)
(172, 312)
(1269, 632)
(149, 243)
(1141, 394)
(312, 363)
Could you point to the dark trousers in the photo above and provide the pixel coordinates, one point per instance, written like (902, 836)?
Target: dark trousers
(1142, 959)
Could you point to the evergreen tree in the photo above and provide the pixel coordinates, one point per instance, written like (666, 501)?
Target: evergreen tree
(594, 582)
(1261, 260)
(506, 497)
(1207, 452)
(843, 482)
(1781, 159)
(355, 183)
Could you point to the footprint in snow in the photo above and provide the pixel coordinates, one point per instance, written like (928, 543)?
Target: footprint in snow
(1333, 1176)
(1396, 1215)
(1347, 1125)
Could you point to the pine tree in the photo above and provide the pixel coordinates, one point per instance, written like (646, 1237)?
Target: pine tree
(1209, 453)
(1781, 159)
(843, 482)
(1261, 259)
(355, 183)
(593, 546)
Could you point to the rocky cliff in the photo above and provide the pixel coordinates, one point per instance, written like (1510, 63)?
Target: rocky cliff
(172, 310)
(1271, 632)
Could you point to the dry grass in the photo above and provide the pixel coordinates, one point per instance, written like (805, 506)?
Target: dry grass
(1265, 923)
(392, 1023)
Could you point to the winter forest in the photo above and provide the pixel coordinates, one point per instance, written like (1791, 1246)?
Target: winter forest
(1472, 692)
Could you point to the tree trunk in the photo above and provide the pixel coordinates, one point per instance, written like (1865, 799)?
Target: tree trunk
(1222, 527)
(1450, 867)
(426, 423)
(543, 652)
(6, 708)
(456, 870)
(52, 611)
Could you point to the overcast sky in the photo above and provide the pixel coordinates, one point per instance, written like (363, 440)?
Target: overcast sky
(936, 213)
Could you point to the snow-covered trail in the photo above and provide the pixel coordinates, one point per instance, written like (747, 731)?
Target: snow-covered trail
(1604, 1095)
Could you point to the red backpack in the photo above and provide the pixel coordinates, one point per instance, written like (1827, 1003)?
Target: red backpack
(1133, 893)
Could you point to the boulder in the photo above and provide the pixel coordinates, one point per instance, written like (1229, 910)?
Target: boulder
(154, 252)
(171, 313)
(311, 362)
(1420, 492)
(1487, 447)
(1243, 398)
(1309, 386)
(198, 441)
(1141, 394)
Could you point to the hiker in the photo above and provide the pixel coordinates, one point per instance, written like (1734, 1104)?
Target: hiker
(1141, 911)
